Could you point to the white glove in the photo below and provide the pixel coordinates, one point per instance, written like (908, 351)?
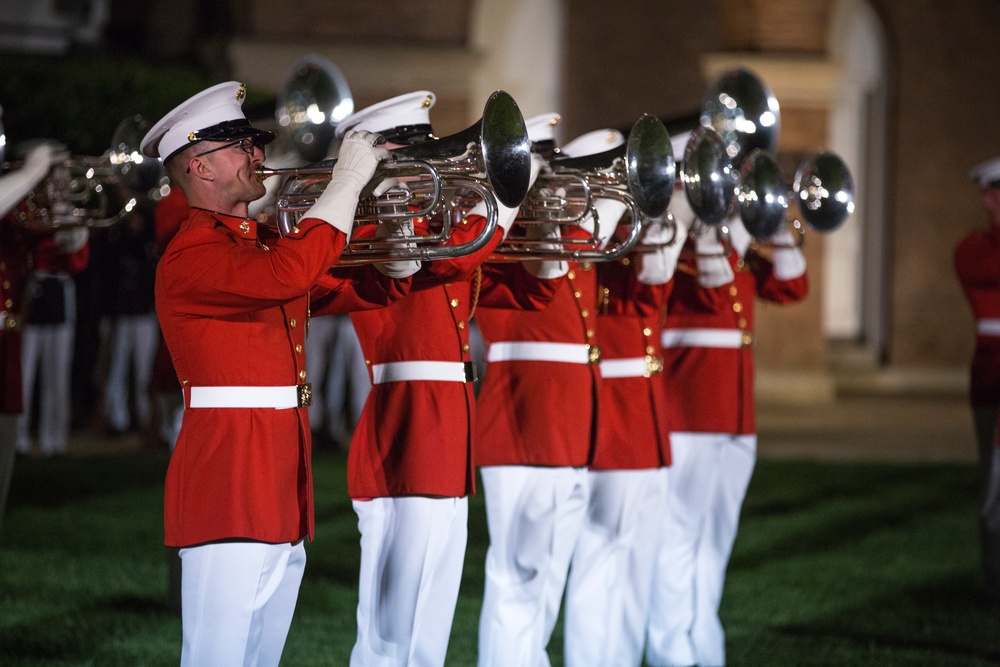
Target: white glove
(609, 212)
(356, 163)
(714, 269)
(789, 262)
(398, 268)
(739, 235)
(71, 239)
(16, 185)
(657, 267)
(545, 269)
(506, 215)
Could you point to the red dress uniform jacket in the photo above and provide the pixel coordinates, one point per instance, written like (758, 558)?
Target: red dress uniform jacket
(710, 389)
(541, 412)
(234, 310)
(632, 427)
(415, 437)
(977, 263)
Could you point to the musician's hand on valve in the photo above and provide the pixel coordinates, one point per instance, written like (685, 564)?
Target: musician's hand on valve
(359, 156)
(398, 229)
(789, 262)
(505, 214)
(44, 155)
(714, 269)
(656, 267)
(71, 239)
(548, 233)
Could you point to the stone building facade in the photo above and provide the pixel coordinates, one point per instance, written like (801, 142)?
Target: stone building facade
(904, 91)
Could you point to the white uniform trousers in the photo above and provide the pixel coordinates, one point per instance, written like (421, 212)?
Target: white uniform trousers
(48, 347)
(989, 514)
(607, 595)
(412, 553)
(534, 515)
(237, 601)
(134, 340)
(708, 482)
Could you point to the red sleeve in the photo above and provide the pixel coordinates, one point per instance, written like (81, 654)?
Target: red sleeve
(978, 272)
(771, 288)
(623, 294)
(48, 258)
(206, 271)
(351, 288)
(461, 268)
(510, 285)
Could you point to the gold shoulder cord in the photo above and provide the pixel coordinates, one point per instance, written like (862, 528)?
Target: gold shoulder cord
(477, 283)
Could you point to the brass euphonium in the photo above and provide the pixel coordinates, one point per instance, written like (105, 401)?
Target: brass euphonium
(488, 162)
(639, 174)
(79, 190)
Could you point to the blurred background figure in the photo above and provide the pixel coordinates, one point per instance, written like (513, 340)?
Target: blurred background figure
(54, 255)
(977, 263)
(133, 328)
(15, 244)
(335, 360)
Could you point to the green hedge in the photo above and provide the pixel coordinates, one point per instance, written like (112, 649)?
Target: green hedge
(80, 100)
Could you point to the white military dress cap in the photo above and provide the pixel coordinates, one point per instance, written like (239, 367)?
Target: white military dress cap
(411, 110)
(542, 127)
(590, 143)
(609, 211)
(214, 114)
(986, 173)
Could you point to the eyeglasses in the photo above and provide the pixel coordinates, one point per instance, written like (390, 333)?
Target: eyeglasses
(246, 144)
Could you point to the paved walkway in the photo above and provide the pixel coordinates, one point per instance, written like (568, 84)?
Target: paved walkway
(875, 427)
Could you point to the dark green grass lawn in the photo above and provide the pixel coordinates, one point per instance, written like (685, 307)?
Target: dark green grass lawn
(835, 564)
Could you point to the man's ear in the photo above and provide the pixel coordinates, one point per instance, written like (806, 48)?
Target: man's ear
(201, 168)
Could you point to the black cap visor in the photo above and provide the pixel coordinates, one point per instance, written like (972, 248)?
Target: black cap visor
(229, 130)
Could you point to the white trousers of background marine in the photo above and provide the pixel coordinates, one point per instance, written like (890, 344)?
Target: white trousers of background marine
(534, 515)
(709, 477)
(607, 596)
(134, 339)
(412, 553)
(237, 601)
(47, 356)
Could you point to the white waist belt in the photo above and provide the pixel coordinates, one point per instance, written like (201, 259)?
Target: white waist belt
(570, 353)
(631, 367)
(408, 371)
(728, 338)
(293, 396)
(988, 327)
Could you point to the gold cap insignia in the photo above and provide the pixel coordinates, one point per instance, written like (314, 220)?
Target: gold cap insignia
(428, 101)
(241, 93)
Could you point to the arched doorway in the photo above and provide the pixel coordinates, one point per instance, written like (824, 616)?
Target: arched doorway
(856, 272)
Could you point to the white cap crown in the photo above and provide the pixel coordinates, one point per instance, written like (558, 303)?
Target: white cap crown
(214, 114)
(597, 141)
(409, 110)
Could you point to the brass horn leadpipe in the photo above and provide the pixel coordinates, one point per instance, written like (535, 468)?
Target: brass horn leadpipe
(639, 174)
(489, 161)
